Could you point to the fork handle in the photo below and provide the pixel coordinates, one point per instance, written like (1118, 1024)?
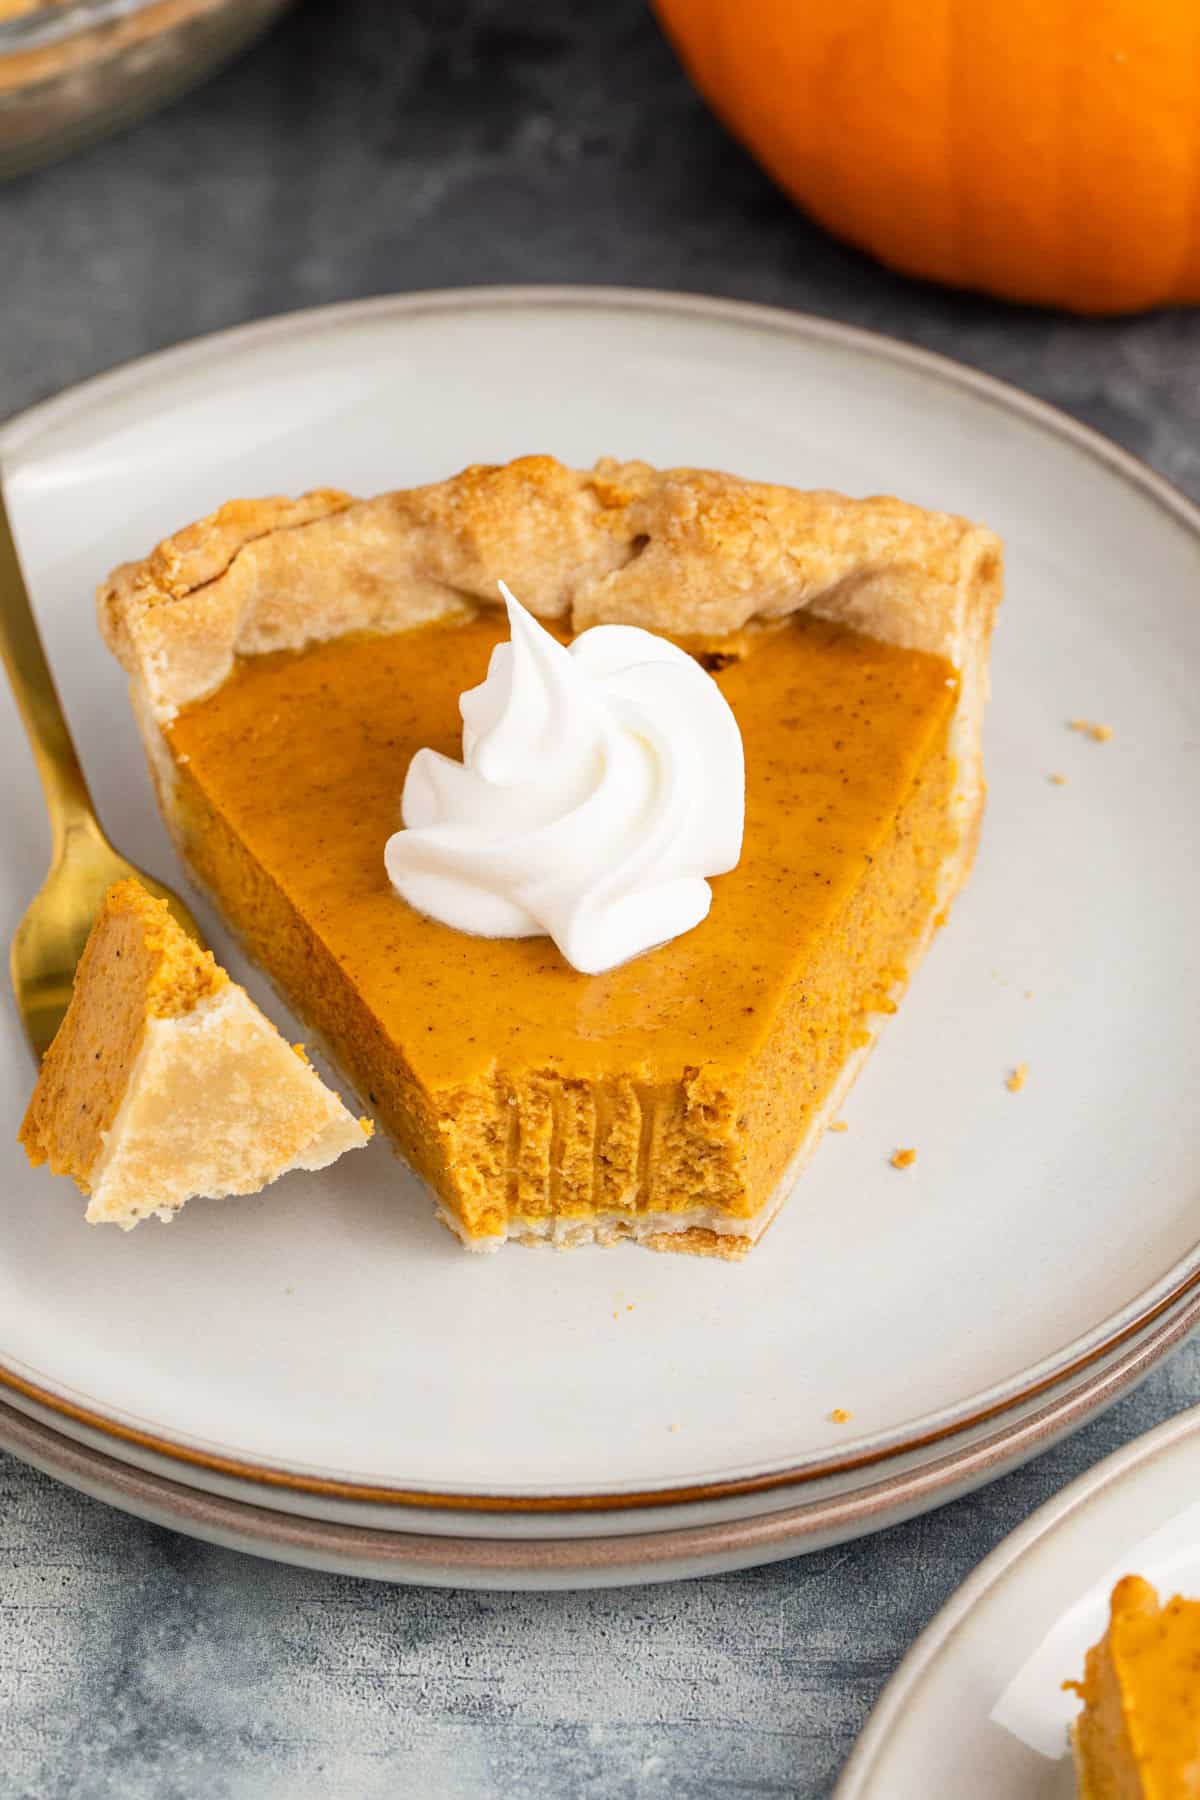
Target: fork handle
(67, 798)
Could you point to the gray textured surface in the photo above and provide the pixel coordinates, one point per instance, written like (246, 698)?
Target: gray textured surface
(367, 148)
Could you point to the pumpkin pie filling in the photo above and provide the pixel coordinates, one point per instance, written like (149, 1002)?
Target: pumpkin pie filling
(527, 1094)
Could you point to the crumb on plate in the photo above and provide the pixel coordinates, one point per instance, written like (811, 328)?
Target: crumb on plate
(1058, 778)
(839, 1125)
(1017, 1078)
(839, 1416)
(903, 1159)
(1100, 734)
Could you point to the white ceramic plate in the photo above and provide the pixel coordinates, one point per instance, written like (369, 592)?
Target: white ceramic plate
(328, 1331)
(977, 1706)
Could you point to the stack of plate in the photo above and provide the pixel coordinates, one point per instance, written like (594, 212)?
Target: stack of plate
(320, 1373)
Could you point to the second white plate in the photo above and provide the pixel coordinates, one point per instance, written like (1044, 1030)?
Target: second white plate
(977, 1707)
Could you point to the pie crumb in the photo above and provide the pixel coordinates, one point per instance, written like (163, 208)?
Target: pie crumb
(839, 1125)
(673, 1427)
(839, 1416)
(1101, 734)
(1058, 778)
(629, 1308)
(903, 1159)
(1016, 1080)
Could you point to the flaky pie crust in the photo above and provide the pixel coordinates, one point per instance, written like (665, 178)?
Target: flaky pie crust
(674, 550)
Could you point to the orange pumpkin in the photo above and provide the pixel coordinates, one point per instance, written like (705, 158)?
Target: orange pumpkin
(1045, 150)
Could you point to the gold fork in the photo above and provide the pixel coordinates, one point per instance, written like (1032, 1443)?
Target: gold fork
(83, 864)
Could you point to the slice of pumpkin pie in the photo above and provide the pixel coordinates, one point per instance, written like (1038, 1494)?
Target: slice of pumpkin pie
(601, 939)
(165, 1081)
(1138, 1735)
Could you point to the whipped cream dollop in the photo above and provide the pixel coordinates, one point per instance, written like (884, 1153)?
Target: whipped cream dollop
(601, 782)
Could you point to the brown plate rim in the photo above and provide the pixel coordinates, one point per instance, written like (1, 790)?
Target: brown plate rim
(414, 1556)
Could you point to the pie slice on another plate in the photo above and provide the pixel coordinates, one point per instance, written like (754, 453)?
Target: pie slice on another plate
(288, 658)
(1138, 1736)
(165, 1081)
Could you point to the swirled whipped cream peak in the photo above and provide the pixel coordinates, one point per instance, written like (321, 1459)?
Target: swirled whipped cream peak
(601, 782)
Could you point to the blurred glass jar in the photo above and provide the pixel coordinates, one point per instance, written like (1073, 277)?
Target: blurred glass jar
(74, 70)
